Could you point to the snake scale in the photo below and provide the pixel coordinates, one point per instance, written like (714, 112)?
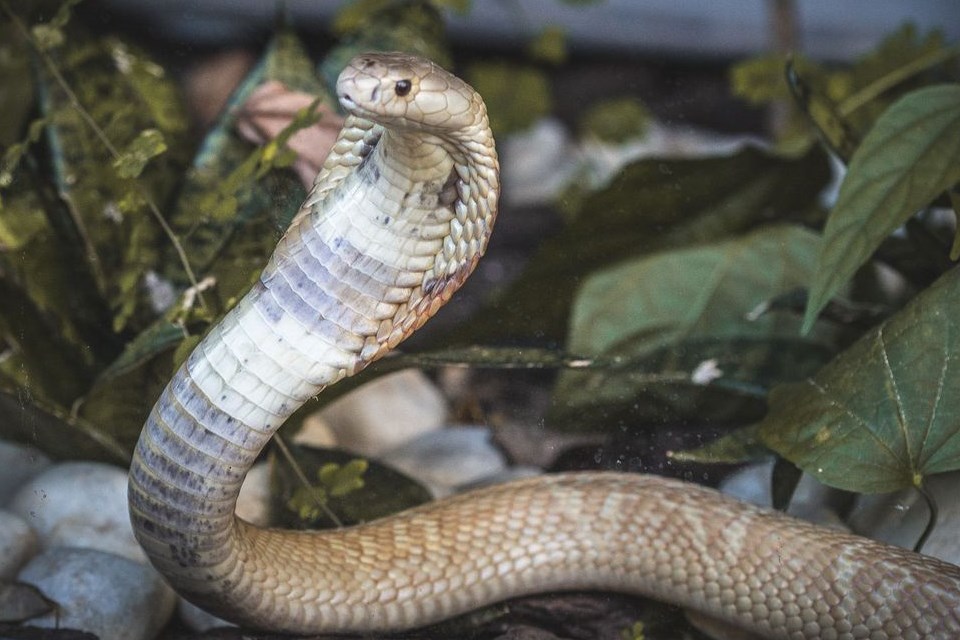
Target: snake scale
(397, 219)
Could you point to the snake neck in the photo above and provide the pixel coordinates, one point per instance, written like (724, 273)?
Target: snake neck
(346, 284)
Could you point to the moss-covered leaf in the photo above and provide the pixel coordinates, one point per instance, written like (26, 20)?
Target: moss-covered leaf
(685, 316)
(883, 414)
(909, 157)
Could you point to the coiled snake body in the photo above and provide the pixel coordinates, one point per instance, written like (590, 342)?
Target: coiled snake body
(397, 219)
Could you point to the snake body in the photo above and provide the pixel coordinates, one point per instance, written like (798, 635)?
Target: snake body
(398, 218)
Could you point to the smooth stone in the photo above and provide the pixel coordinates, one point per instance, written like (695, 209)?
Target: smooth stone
(386, 412)
(448, 458)
(80, 504)
(197, 619)
(253, 503)
(112, 597)
(18, 463)
(537, 163)
(899, 518)
(812, 500)
(18, 543)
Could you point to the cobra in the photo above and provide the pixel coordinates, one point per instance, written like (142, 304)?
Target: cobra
(397, 219)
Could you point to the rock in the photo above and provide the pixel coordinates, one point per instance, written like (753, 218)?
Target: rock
(537, 163)
(18, 463)
(198, 619)
(812, 500)
(899, 518)
(79, 504)
(386, 412)
(448, 458)
(112, 597)
(18, 543)
(315, 432)
(253, 503)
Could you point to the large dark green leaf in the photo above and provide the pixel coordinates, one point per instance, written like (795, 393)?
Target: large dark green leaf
(885, 413)
(680, 324)
(650, 206)
(909, 157)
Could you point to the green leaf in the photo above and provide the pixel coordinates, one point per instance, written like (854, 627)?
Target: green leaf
(652, 205)
(119, 405)
(148, 144)
(516, 96)
(686, 315)
(354, 490)
(340, 480)
(738, 446)
(25, 418)
(909, 157)
(616, 120)
(835, 131)
(412, 26)
(550, 46)
(22, 219)
(159, 337)
(883, 414)
(706, 290)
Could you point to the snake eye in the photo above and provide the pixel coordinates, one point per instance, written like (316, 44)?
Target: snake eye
(402, 87)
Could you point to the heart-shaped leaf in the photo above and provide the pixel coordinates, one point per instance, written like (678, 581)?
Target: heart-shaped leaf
(884, 414)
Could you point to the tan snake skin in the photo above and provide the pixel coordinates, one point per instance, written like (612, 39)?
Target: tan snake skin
(398, 218)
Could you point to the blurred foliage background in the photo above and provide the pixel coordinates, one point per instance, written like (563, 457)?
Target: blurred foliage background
(729, 292)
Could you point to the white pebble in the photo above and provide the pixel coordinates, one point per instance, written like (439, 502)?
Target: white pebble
(449, 458)
(198, 619)
(18, 543)
(385, 413)
(18, 463)
(79, 504)
(101, 593)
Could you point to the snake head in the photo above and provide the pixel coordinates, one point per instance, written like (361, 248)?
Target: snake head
(403, 91)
